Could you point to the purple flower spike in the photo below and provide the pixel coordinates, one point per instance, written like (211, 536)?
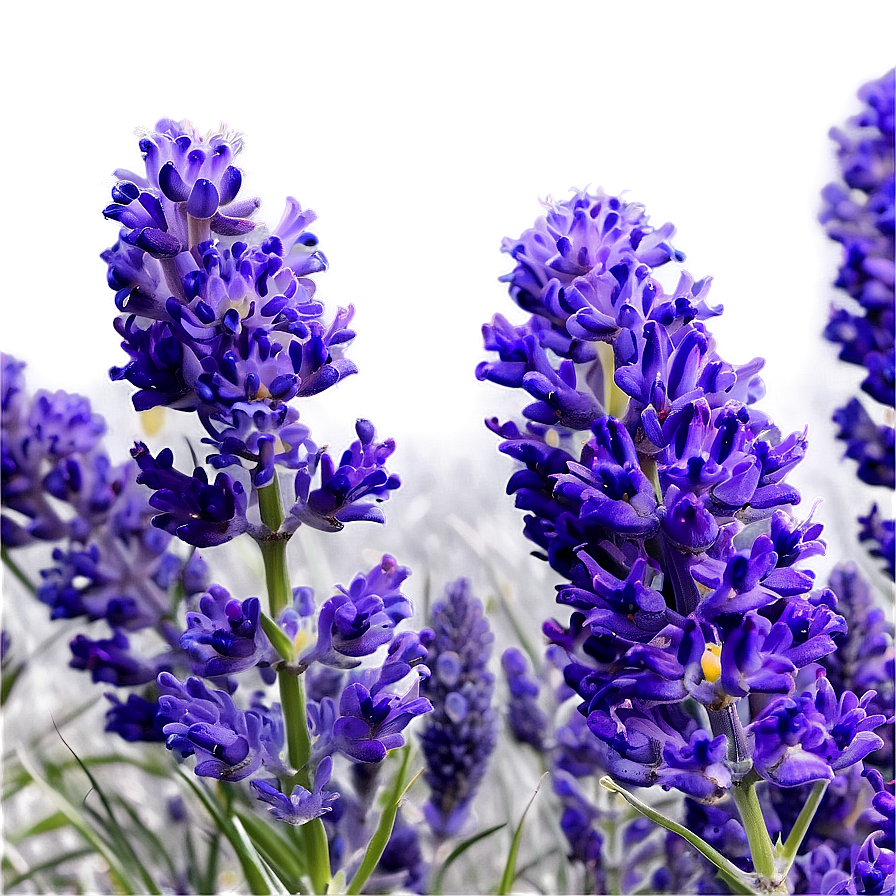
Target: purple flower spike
(225, 636)
(528, 723)
(462, 731)
(197, 512)
(111, 660)
(302, 805)
(227, 328)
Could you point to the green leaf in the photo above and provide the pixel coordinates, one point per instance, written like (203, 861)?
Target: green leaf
(76, 819)
(50, 823)
(509, 875)
(384, 829)
(47, 865)
(280, 641)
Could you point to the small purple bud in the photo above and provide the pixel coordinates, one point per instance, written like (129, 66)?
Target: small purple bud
(172, 183)
(231, 181)
(203, 201)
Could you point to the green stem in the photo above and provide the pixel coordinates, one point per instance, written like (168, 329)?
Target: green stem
(761, 849)
(298, 738)
(273, 550)
(737, 880)
(292, 691)
(787, 853)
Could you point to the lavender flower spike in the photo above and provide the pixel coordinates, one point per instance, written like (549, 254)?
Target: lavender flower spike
(462, 730)
(230, 744)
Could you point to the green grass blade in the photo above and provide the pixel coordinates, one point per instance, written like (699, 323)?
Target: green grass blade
(276, 849)
(438, 881)
(209, 882)
(76, 819)
(47, 865)
(51, 823)
(122, 843)
(274, 883)
(509, 875)
(384, 829)
(13, 567)
(255, 877)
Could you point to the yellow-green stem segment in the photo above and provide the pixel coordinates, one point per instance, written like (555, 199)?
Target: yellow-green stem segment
(292, 692)
(761, 849)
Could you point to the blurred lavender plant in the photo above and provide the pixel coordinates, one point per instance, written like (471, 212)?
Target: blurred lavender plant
(108, 563)
(859, 214)
(461, 733)
(693, 610)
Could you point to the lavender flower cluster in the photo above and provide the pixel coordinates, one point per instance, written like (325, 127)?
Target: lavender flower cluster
(60, 487)
(859, 215)
(693, 609)
(699, 656)
(357, 714)
(232, 331)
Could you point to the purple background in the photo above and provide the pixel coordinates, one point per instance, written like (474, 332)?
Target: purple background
(422, 137)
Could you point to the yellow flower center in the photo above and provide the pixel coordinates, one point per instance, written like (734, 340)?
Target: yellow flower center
(153, 420)
(302, 640)
(711, 662)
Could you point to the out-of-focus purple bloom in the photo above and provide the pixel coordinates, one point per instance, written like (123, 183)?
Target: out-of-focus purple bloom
(859, 214)
(462, 731)
(522, 711)
(864, 659)
(302, 805)
(110, 564)
(402, 866)
(578, 823)
(880, 534)
(230, 744)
